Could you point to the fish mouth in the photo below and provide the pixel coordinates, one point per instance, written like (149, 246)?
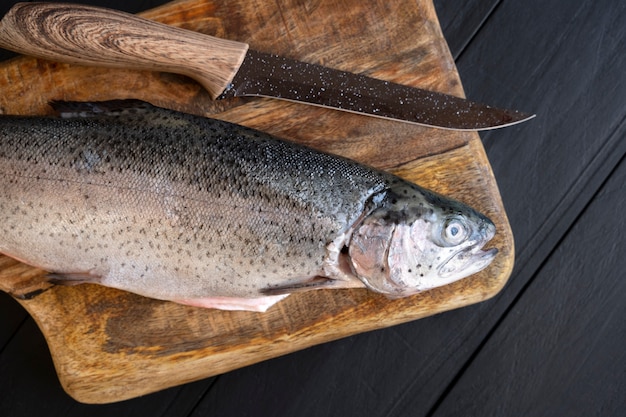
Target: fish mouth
(484, 257)
(467, 261)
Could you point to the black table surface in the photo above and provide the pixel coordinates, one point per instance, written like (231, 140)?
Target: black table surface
(552, 343)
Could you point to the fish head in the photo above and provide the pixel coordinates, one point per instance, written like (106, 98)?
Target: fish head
(416, 240)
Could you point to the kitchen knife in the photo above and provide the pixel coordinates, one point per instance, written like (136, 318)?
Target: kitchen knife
(88, 35)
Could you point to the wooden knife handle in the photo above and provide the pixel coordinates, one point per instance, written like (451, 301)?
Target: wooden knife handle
(87, 35)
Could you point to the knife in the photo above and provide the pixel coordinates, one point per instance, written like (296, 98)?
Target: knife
(88, 35)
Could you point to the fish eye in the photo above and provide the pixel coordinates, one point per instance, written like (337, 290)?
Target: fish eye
(454, 231)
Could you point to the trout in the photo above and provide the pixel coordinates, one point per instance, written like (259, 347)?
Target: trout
(212, 214)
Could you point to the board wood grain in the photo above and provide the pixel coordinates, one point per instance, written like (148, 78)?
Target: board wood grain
(108, 345)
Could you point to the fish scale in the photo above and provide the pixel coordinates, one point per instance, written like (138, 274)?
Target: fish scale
(184, 208)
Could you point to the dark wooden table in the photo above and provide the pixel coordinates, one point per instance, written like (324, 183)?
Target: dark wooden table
(551, 343)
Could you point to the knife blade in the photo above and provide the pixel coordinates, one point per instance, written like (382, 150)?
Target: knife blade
(88, 35)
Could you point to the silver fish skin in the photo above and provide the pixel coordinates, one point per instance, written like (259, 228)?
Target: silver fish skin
(208, 213)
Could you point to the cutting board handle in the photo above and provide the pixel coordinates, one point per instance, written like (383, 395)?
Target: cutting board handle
(95, 36)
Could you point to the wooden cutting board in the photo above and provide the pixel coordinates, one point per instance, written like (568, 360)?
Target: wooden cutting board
(108, 345)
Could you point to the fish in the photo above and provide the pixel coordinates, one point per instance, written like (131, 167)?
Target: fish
(207, 213)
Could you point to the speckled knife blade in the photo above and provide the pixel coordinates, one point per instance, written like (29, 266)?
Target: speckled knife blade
(273, 76)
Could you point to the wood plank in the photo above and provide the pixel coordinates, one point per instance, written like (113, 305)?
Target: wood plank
(122, 328)
(560, 350)
(549, 169)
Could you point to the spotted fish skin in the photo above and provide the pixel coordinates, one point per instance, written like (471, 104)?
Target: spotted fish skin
(177, 207)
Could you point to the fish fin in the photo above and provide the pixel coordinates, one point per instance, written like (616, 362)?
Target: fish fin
(69, 109)
(258, 304)
(317, 283)
(72, 278)
(31, 294)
